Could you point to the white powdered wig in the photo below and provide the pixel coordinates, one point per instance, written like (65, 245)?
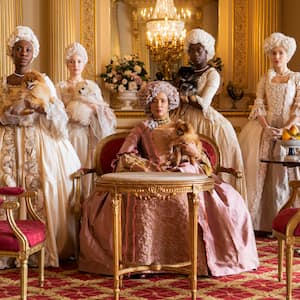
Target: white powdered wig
(76, 48)
(196, 36)
(147, 94)
(23, 33)
(278, 39)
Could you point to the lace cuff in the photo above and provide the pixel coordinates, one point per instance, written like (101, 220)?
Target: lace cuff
(258, 109)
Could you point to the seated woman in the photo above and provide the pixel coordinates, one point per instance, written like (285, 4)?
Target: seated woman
(158, 231)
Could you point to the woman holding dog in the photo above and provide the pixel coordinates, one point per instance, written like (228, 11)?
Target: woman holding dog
(35, 152)
(90, 117)
(276, 107)
(153, 229)
(195, 106)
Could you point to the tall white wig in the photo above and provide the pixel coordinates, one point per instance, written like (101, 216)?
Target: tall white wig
(147, 94)
(76, 48)
(23, 33)
(278, 39)
(196, 36)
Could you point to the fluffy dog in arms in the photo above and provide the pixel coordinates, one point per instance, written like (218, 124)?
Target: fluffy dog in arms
(35, 91)
(185, 134)
(85, 103)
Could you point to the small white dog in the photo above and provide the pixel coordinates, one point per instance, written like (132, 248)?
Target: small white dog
(85, 103)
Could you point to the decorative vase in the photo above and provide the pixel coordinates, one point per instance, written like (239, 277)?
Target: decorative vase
(129, 98)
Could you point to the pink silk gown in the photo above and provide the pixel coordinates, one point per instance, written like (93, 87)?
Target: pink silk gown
(158, 231)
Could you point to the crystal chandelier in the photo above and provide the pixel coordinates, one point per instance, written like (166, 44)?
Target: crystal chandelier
(165, 34)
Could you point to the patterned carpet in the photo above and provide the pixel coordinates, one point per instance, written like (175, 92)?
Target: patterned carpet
(67, 283)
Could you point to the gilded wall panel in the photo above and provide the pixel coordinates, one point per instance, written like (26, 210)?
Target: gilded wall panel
(88, 35)
(240, 71)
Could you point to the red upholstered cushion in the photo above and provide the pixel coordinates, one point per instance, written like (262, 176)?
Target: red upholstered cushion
(280, 221)
(35, 232)
(210, 152)
(109, 153)
(11, 191)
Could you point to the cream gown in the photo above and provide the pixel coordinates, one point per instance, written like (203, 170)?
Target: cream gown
(267, 184)
(84, 136)
(35, 153)
(210, 122)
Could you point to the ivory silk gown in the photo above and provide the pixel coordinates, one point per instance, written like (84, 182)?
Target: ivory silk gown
(210, 122)
(158, 231)
(35, 153)
(84, 137)
(267, 184)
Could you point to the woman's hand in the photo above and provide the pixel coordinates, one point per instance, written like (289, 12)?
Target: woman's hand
(272, 131)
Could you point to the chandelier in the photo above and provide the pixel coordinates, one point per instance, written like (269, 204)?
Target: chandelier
(165, 34)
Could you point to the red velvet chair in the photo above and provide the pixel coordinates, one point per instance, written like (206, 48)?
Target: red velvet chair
(212, 151)
(286, 228)
(21, 238)
(106, 152)
(108, 148)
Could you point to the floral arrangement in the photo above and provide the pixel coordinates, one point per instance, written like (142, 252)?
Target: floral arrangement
(125, 73)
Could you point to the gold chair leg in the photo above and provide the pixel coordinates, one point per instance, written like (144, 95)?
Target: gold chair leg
(42, 267)
(24, 278)
(280, 257)
(193, 209)
(116, 202)
(289, 266)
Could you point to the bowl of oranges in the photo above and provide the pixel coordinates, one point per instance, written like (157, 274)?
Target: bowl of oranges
(291, 140)
(291, 137)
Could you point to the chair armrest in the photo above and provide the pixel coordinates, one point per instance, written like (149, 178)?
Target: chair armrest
(77, 177)
(233, 172)
(83, 171)
(10, 204)
(28, 196)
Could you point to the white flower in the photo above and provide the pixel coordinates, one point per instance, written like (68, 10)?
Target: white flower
(132, 86)
(114, 80)
(137, 69)
(124, 81)
(128, 73)
(128, 57)
(121, 88)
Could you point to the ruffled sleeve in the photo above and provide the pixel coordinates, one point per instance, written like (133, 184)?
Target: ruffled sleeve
(55, 120)
(258, 108)
(105, 122)
(208, 91)
(296, 106)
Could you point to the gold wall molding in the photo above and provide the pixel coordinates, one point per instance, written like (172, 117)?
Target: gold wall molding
(240, 67)
(88, 35)
(11, 16)
(265, 21)
(62, 33)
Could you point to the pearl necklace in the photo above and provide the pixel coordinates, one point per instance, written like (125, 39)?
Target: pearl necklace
(154, 123)
(162, 121)
(18, 75)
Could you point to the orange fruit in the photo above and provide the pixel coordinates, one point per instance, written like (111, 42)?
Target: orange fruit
(286, 135)
(294, 130)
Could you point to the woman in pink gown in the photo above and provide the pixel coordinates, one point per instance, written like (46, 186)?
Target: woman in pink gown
(158, 231)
